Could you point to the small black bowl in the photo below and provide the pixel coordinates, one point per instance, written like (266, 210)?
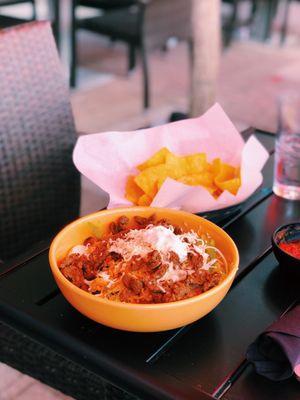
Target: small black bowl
(287, 233)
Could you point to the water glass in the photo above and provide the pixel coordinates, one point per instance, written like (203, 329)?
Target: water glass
(287, 149)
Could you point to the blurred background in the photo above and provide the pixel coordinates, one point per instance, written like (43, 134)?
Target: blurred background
(121, 43)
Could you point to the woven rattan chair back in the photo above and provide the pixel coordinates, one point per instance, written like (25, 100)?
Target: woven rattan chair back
(39, 186)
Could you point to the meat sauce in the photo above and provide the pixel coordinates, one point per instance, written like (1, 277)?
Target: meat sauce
(145, 261)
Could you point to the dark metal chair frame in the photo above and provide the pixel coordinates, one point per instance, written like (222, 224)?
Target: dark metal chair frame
(134, 13)
(13, 2)
(233, 22)
(7, 21)
(134, 41)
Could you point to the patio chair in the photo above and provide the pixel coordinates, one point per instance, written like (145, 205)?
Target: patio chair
(144, 26)
(7, 21)
(232, 22)
(39, 186)
(108, 5)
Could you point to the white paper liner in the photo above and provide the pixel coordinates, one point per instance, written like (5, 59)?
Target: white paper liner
(108, 158)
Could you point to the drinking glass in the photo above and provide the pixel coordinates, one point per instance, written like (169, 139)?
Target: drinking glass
(287, 149)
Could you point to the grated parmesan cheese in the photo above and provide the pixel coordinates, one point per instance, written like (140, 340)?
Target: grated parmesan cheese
(105, 276)
(172, 274)
(140, 242)
(79, 249)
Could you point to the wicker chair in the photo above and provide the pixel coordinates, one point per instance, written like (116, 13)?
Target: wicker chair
(143, 26)
(7, 21)
(28, 356)
(39, 186)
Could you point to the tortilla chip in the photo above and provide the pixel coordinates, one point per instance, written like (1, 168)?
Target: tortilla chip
(204, 179)
(149, 179)
(177, 166)
(228, 178)
(158, 158)
(232, 185)
(132, 191)
(196, 163)
(191, 170)
(144, 200)
(225, 172)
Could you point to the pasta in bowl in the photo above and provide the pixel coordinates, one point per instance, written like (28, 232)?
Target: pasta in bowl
(142, 268)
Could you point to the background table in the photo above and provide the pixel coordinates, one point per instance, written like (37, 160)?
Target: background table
(52, 341)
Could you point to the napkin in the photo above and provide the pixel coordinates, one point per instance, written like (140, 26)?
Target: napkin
(276, 352)
(108, 158)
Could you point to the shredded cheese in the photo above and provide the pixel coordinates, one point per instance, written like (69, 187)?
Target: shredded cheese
(172, 274)
(79, 249)
(140, 242)
(105, 276)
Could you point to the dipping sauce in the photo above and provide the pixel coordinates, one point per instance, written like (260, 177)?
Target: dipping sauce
(292, 248)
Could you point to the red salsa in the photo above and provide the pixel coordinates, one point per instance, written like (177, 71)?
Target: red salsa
(293, 248)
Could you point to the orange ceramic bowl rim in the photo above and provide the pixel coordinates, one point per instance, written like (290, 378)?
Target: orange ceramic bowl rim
(122, 211)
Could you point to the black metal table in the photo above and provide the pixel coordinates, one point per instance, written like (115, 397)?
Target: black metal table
(202, 361)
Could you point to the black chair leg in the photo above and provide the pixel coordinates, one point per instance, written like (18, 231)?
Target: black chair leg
(73, 67)
(145, 77)
(34, 10)
(270, 13)
(284, 27)
(230, 29)
(56, 21)
(131, 57)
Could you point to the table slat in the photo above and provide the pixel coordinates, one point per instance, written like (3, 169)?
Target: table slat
(252, 386)
(216, 344)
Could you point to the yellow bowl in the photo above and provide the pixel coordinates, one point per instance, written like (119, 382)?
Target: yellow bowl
(141, 317)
